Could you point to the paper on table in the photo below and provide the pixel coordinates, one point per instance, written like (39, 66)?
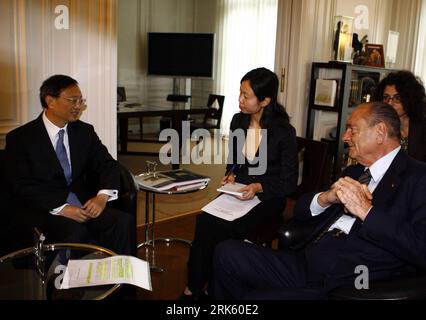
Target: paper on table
(230, 208)
(111, 270)
(232, 188)
(189, 186)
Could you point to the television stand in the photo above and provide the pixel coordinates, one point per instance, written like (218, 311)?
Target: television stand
(178, 98)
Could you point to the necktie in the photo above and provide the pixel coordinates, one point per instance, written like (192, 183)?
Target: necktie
(61, 153)
(364, 178)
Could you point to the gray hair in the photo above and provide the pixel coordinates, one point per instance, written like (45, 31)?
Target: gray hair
(383, 112)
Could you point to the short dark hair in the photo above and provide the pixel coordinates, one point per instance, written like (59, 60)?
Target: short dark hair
(54, 86)
(411, 90)
(383, 112)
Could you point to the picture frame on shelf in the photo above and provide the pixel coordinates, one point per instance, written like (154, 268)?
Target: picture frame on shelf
(325, 92)
(375, 55)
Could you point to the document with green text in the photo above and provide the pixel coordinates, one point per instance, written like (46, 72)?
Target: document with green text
(111, 270)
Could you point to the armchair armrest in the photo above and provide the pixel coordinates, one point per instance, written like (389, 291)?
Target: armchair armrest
(127, 196)
(408, 287)
(295, 234)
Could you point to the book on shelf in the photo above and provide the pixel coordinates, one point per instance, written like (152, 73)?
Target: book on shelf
(325, 92)
(232, 189)
(174, 180)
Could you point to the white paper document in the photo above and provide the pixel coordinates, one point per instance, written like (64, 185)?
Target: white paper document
(232, 188)
(111, 270)
(230, 208)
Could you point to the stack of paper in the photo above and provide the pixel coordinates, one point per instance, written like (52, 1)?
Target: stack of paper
(230, 208)
(171, 180)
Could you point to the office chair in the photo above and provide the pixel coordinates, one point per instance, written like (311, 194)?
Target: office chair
(312, 156)
(121, 95)
(313, 162)
(296, 234)
(127, 202)
(5, 235)
(213, 116)
(127, 197)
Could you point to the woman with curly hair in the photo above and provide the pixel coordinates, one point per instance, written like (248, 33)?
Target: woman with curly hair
(406, 94)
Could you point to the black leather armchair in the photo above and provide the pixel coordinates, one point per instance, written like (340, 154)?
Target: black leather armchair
(127, 197)
(296, 234)
(126, 202)
(4, 215)
(313, 157)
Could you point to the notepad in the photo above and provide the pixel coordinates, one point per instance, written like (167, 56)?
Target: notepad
(230, 208)
(232, 188)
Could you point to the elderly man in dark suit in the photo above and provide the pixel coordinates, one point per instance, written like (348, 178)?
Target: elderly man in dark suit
(379, 226)
(51, 163)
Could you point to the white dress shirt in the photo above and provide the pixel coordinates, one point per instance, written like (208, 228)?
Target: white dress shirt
(377, 170)
(251, 145)
(52, 131)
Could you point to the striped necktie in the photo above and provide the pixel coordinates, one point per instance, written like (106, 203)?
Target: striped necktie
(365, 177)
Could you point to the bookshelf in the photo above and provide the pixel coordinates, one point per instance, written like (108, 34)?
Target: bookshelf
(343, 86)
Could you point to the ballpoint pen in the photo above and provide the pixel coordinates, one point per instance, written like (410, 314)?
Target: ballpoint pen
(231, 170)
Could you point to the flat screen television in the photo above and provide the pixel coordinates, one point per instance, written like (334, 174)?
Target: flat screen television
(181, 54)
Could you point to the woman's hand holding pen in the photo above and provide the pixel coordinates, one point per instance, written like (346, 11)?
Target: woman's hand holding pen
(230, 178)
(230, 175)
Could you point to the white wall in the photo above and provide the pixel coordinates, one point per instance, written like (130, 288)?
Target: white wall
(305, 36)
(384, 15)
(355, 8)
(34, 49)
(136, 19)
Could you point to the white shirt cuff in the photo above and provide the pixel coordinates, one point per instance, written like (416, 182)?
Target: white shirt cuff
(56, 211)
(315, 207)
(112, 194)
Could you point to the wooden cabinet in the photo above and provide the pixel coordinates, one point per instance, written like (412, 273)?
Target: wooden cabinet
(335, 89)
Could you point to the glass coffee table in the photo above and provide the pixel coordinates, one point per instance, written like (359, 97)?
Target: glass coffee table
(24, 275)
(150, 224)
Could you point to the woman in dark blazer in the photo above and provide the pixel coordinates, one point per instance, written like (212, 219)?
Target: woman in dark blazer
(406, 94)
(266, 128)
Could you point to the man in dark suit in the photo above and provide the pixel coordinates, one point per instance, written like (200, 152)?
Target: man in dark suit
(379, 226)
(51, 163)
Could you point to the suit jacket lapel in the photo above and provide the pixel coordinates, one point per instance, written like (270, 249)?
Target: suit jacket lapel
(44, 145)
(391, 180)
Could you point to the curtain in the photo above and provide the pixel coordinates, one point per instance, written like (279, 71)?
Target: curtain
(420, 67)
(246, 31)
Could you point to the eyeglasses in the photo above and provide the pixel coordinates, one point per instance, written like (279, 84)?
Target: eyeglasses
(76, 101)
(395, 98)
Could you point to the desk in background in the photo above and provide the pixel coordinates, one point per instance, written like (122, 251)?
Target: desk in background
(176, 113)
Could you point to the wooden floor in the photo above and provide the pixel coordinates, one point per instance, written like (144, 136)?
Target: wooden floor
(167, 285)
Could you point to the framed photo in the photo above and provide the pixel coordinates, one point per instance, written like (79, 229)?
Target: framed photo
(325, 92)
(375, 55)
